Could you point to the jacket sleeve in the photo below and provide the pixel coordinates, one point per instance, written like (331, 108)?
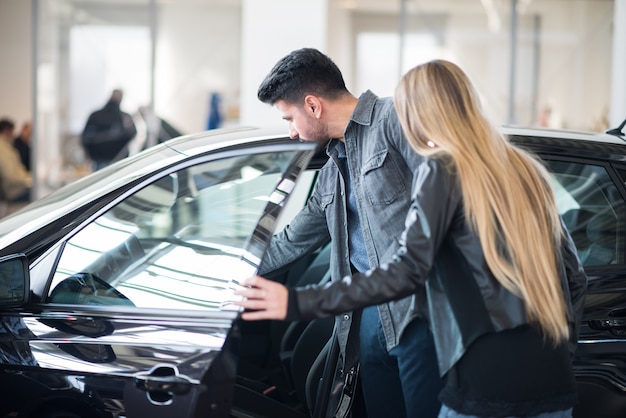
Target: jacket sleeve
(435, 201)
(576, 286)
(129, 128)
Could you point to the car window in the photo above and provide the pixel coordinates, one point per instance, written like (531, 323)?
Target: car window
(176, 243)
(592, 209)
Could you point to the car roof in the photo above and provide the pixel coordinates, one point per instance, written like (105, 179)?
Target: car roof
(102, 182)
(562, 134)
(98, 184)
(599, 147)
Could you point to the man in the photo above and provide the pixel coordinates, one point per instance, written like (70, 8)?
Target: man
(359, 203)
(15, 180)
(108, 132)
(22, 144)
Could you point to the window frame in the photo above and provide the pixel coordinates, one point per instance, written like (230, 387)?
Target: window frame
(609, 169)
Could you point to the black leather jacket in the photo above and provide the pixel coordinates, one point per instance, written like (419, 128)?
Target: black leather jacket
(439, 252)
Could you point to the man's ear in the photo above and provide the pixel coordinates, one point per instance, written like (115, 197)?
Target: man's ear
(313, 106)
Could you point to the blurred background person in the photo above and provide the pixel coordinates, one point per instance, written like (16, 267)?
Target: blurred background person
(108, 132)
(22, 144)
(15, 180)
(215, 118)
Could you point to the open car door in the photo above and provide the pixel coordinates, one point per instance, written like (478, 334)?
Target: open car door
(135, 317)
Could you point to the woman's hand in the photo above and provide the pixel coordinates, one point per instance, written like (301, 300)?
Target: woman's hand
(264, 298)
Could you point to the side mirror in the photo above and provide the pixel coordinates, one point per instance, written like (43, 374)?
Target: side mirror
(14, 280)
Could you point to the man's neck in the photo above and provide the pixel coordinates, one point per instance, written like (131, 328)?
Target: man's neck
(339, 114)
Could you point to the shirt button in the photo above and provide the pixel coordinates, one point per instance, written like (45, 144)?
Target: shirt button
(341, 193)
(346, 317)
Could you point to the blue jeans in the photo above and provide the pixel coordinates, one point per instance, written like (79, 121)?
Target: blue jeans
(403, 382)
(451, 413)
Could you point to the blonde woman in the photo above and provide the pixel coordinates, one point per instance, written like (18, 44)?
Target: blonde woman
(483, 235)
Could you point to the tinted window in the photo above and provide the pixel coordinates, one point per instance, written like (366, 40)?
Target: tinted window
(592, 209)
(176, 243)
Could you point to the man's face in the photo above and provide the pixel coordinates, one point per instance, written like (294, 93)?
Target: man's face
(8, 132)
(303, 125)
(27, 132)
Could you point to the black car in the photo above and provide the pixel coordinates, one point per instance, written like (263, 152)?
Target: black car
(115, 291)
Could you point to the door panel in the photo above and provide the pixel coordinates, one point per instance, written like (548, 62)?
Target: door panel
(136, 320)
(593, 209)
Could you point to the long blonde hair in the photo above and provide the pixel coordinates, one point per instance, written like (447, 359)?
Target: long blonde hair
(507, 196)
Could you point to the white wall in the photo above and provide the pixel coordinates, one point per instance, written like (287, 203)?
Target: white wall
(16, 69)
(340, 44)
(198, 52)
(270, 30)
(575, 73)
(618, 85)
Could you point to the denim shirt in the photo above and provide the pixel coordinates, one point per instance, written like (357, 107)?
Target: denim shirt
(381, 164)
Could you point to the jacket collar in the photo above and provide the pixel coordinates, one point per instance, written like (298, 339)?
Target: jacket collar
(363, 115)
(364, 110)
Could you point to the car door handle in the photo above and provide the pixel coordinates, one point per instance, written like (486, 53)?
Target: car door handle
(163, 379)
(604, 324)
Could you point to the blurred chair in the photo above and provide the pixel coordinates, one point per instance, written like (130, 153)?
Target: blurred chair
(7, 207)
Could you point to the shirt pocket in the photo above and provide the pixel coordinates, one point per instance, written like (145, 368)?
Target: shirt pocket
(327, 200)
(382, 179)
(326, 187)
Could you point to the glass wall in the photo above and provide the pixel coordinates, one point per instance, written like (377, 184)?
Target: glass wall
(85, 49)
(535, 62)
(169, 58)
(544, 63)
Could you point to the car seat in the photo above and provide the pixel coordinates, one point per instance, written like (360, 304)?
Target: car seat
(295, 346)
(306, 361)
(576, 221)
(304, 339)
(601, 232)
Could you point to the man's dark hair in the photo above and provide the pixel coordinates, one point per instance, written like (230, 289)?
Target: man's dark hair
(6, 124)
(302, 72)
(116, 96)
